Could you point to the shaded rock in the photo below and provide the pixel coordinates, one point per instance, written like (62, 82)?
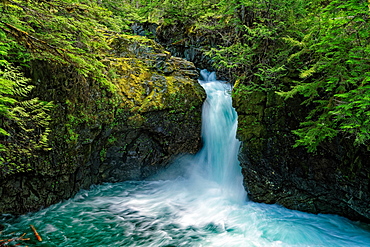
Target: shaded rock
(184, 41)
(333, 180)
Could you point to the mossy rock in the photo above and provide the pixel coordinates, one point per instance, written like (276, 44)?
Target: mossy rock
(146, 112)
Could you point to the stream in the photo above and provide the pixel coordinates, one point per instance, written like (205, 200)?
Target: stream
(197, 201)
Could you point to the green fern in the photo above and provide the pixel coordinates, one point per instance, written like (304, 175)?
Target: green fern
(25, 125)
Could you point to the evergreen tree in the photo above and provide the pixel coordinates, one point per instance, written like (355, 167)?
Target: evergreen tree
(62, 31)
(333, 62)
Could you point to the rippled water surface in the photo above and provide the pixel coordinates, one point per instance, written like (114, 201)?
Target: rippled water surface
(198, 201)
(180, 213)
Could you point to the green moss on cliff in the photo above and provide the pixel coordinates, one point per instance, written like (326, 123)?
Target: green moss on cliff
(250, 107)
(148, 79)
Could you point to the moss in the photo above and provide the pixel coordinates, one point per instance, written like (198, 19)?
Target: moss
(103, 154)
(249, 127)
(112, 139)
(146, 88)
(136, 121)
(251, 110)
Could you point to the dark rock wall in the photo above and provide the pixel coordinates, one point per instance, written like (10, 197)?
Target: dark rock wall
(333, 180)
(185, 41)
(125, 129)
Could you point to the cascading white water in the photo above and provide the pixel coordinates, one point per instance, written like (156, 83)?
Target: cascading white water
(203, 206)
(217, 161)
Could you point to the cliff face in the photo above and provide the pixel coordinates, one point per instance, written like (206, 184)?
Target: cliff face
(333, 180)
(126, 128)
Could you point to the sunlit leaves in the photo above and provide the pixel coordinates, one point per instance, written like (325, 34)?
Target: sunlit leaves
(24, 122)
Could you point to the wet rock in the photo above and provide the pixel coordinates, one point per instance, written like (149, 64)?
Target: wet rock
(333, 180)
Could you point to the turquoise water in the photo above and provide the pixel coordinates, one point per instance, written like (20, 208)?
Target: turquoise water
(198, 201)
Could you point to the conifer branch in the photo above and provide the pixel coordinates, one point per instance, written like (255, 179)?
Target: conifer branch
(31, 42)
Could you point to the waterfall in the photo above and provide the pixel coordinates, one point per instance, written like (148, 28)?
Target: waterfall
(217, 160)
(199, 201)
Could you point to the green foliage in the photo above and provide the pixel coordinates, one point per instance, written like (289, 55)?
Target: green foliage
(352, 113)
(185, 12)
(159, 11)
(333, 64)
(318, 49)
(24, 122)
(252, 49)
(70, 32)
(11, 51)
(125, 14)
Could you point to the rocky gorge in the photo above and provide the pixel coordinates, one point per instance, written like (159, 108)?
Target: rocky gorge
(153, 114)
